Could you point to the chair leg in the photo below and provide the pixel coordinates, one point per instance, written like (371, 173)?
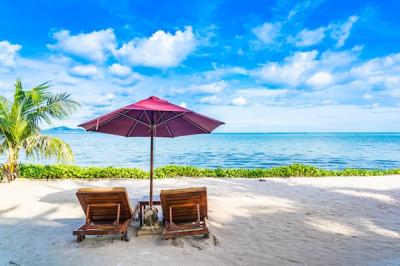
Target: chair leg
(125, 237)
(79, 238)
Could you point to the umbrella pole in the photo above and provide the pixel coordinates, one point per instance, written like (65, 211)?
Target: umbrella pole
(151, 166)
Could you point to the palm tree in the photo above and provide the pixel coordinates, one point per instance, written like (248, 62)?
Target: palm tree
(19, 126)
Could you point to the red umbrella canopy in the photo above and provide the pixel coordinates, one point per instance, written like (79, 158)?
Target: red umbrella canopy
(166, 120)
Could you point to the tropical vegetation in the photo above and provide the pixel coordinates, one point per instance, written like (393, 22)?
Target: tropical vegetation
(20, 121)
(34, 171)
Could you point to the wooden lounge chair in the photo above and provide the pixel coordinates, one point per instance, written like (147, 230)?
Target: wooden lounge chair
(107, 210)
(184, 212)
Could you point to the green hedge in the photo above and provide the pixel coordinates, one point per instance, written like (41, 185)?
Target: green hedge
(34, 171)
(37, 171)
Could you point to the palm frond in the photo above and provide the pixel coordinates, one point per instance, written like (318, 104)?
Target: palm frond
(58, 106)
(19, 93)
(44, 146)
(5, 109)
(3, 145)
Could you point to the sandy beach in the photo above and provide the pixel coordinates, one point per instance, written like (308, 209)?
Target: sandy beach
(296, 221)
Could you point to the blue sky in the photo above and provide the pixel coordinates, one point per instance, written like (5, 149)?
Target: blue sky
(260, 66)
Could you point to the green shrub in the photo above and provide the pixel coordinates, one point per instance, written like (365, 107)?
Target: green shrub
(36, 171)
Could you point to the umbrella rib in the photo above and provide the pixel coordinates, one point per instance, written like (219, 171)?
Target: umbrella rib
(148, 119)
(168, 129)
(171, 118)
(102, 123)
(134, 125)
(139, 121)
(161, 117)
(194, 124)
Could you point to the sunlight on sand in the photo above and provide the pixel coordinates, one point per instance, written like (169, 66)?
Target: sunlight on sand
(249, 206)
(378, 196)
(331, 226)
(373, 227)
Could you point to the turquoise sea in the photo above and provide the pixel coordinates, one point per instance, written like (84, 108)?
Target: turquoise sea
(240, 150)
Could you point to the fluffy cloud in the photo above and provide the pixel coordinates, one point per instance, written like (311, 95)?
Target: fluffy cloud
(257, 93)
(320, 79)
(291, 71)
(86, 71)
(120, 70)
(8, 53)
(341, 31)
(310, 69)
(239, 101)
(308, 37)
(104, 100)
(161, 50)
(124, 76)
(367, 96)
(381, 73)
(95, 46)
(213, 99)
(267, 32)
(214, 87)
(221, 72)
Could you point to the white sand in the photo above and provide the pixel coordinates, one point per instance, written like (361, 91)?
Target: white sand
(297, 221)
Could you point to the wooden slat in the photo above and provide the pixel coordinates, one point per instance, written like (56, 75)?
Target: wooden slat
(179, 199)
(105, 195)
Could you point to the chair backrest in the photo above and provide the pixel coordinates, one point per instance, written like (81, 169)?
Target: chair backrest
(187, 198)
(103, 203)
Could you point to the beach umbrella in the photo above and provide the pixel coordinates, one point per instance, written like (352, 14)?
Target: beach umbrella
(152, 117)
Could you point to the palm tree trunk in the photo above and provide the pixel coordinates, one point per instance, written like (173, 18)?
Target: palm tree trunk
(10, 168)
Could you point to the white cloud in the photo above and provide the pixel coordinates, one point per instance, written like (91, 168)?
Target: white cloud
(341, 31)
(161, 50)
(267, 32)
(328, 102)
(8, 53)
(320, 79)
(304, 70)
(309, 37)
(239, 101)
(373, 105)
(262, 92)
(95, 46)
(214, 87)
(291, 71)
(213, 99)
(258, 95)
(120, 70)
(380, 72)
(367, 96)
(87, 71)
(221, 72)
(183, 104)
(124, 75)
(339, 59)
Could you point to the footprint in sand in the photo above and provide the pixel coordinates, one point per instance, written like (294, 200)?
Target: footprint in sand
(196, 242)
